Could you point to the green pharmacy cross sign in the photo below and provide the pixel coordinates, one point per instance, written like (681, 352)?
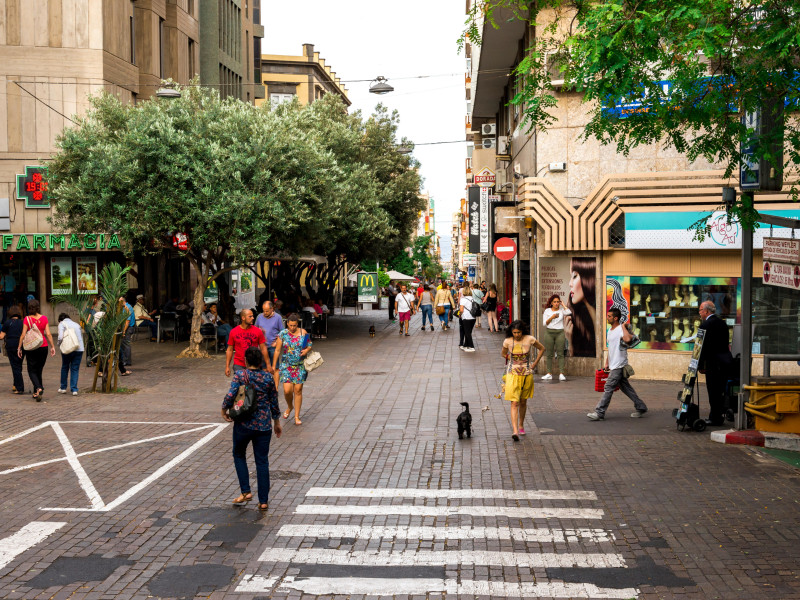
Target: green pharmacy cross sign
(32, 187)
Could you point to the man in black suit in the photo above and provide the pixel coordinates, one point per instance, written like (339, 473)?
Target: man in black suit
(715, 360)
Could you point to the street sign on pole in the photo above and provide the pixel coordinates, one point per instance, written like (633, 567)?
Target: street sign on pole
(782, 250)
(367, 287)
(505, 248)
(782, 275)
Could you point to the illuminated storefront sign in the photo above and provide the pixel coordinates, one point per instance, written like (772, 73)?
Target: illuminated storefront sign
(32, 187)
(52, 242)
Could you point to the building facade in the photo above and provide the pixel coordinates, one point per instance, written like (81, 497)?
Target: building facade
(50, 62)
(306, 77)
(230, 47)
(602, 229)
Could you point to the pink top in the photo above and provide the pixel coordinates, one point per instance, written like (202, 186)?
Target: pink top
(41, 323)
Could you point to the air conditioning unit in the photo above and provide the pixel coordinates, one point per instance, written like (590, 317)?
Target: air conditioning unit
(488, 129)
(488, 143)
(503, 147)
(553, 63)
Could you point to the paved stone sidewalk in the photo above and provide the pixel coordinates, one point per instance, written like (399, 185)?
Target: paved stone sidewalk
(375, 495)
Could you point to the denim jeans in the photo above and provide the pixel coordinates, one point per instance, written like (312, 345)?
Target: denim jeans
(427, 311)
(444, 316)
(242, 436)
(71, 365)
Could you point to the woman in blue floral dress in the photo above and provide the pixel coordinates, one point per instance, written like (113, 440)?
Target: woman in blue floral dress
(293, 343)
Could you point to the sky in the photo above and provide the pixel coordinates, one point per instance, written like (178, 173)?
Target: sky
(361, 39)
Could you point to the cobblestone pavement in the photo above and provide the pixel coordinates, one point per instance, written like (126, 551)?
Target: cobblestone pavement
(128, 495)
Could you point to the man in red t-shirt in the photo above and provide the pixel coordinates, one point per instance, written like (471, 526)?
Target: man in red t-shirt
(240, 339)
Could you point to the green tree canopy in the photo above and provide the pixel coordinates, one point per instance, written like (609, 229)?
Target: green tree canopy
(241, 182)
(690, 67)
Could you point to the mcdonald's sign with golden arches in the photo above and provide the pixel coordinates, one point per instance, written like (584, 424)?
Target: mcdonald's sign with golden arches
(367, 287)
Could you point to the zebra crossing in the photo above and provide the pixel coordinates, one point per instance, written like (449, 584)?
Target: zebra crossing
(397, 560)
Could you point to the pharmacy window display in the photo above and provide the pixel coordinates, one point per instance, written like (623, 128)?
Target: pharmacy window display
(664, 310)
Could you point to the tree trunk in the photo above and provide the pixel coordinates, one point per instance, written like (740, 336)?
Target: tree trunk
(195, 339)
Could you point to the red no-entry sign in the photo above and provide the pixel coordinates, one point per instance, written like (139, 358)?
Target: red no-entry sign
(505, 248)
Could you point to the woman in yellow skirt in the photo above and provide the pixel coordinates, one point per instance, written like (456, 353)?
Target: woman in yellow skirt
(518, 351)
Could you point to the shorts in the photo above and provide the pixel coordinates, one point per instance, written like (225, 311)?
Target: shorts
(404, 316)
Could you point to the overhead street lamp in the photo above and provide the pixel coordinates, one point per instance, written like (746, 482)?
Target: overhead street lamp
(380, 85)
(168, 92)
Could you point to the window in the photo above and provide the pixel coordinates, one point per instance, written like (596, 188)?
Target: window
(776, 319)
(664, 310)
(161, 69)
(190, 7)
(280, 98)
(191, 58)
(133, 37)
(616, 233)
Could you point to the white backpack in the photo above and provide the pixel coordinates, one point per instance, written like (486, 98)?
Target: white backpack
(69, 341)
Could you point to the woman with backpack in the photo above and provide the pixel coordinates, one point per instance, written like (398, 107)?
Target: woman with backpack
(70, 341)
(466, 320)
(36, 346)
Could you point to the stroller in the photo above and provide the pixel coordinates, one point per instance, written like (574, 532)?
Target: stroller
(502, 316)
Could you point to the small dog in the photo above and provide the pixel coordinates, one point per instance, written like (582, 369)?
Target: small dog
(464, 422)
(372, 331)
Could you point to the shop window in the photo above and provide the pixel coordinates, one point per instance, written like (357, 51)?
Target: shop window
(776, 319)
(664, 310)
(18, 278)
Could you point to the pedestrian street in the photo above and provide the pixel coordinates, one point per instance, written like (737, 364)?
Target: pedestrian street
(129, 495)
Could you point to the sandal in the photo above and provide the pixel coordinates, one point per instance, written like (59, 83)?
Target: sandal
(297, 421)
(243, 499)
(263, 507)
(286, 414)
(515, 437)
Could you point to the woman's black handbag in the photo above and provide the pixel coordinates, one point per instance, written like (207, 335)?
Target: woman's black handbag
(244, 404)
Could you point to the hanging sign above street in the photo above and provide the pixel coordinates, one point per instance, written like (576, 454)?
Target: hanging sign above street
(782, 275)
(505, 248)
(485, 177)
(782, 250)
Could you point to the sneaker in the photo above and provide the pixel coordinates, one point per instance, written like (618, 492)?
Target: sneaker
(521, 431)
(461, 347)
(547, 377)
(60, 391)
(562, 378)
(423, 328)
(431, 328)
(74, 393)
(469, 349)
(401, 331)
(638, 414)
(593, 416)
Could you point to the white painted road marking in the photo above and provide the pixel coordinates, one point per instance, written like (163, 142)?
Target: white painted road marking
(407, 586)
(379, 558)
(256, 584)
(106, 449)
(528, 560)
(83, 478)
(447, 533)
(434, 493)
(151, 478)
(447, 511)
(97, 504)
(25, 538)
